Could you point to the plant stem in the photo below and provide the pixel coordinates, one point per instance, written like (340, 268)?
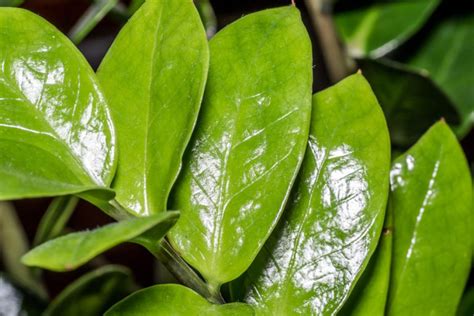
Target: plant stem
(208, 17)
(165, 253)
(94, 14)
(339, 65)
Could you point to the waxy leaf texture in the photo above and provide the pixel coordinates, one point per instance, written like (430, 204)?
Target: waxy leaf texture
(333, 222)
(248, 144)
(154, 76)
(431, 199)
(56, 133)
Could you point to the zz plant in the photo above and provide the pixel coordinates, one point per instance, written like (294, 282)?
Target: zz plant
(260, 198)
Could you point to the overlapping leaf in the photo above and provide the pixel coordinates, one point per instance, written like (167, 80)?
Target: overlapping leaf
(70, 251)
(93, 293)
(370, 294)
(376, 28)
(446, 54)
(431, 200)
(154, 76)
(411, 101)
(56, 134)
(174, 300)
(248, 144)
(331, 227)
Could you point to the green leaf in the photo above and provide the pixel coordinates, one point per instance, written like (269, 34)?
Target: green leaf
(248, 144)
(446, 54)
(15, 300)
(332, 225)
(56, 134)
(369, 297)
(55, 218)
(93, 293)
(174, 300)
(154, 77)
(71, 251)
(431, 200)
(411, 101)
(375, 29)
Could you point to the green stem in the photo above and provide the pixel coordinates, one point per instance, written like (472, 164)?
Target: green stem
(165, 253)
(94, 14)
(208, 16)
(55, 219)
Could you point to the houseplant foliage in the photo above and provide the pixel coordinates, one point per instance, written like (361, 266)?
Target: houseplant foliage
(258, 196)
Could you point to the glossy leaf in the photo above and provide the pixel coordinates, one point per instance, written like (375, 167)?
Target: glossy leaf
(252, 130)
(15, 300)
(411, 101)
(331, 227)
(70, 251)
(56, 134)
(174, 300)
(376, 28)
(431, 199)
(369, 297)
(93, 293)
(55, 218)
(154, 76)
(451, 68)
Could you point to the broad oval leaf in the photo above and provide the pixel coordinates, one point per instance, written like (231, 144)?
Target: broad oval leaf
(331, 227)
(248, 144)
(451, 68)
(411, 101)
(56, 134)
(154, 76)
(375, 29)
(369, 297)
(431, 199)
(70, 251)
(174, 300)
(93, 293)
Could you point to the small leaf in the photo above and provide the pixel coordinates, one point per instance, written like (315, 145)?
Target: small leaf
(411, 101)
(446, 54)
(375, 29)
(431, 200)
(93, 293)
(174, 300)
(56, 134)
(248, 145)
(71, 251)
(331, 227)
(154, 76)
(369, 297)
